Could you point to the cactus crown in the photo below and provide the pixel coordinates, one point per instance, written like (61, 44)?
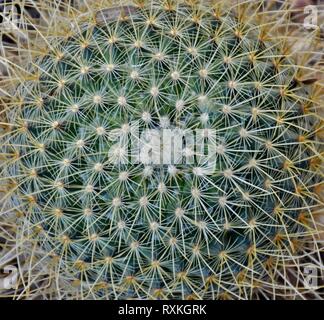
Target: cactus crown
(143, 230)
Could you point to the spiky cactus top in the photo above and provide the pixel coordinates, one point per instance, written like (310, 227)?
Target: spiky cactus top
(138, 230)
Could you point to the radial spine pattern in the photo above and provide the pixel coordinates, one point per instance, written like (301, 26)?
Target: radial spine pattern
(118, 227)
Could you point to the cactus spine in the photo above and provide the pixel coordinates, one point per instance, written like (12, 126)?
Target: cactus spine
(119, 230)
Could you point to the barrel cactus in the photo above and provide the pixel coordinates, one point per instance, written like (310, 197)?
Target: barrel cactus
(97, 214)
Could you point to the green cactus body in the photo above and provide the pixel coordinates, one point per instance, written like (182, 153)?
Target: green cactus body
(164, 230)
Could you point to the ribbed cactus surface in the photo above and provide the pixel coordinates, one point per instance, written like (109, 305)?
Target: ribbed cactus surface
(164, 230)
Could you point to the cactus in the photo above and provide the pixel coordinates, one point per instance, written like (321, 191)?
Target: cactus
(110, 228)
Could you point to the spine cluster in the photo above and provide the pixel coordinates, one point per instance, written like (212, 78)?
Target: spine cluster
(119, 229)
